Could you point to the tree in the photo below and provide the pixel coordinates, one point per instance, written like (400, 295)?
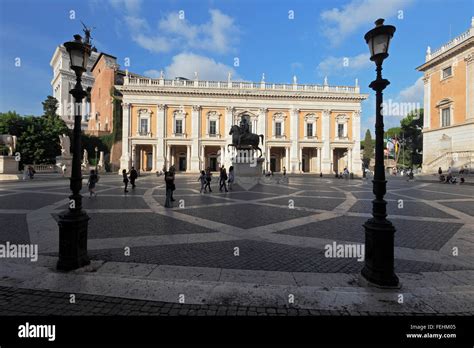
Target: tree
(368, 148)
(50, 106)
(411, 127)
(37, 137)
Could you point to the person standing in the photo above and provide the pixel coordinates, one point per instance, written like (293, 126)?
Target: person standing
(125, 180)
(284, 171)
(93, 179)
(231, 177)
(208, 179)
(223, 179)
(202, 180)
(133, 176)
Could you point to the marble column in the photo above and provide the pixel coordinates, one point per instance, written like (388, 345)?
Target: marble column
(228, 121)
(326, 149)
(125, 158)
(195, 133)
(294, 127)
(188, 158)
(160, 133)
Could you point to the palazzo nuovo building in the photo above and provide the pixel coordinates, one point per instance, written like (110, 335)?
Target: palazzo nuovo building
(186, 123)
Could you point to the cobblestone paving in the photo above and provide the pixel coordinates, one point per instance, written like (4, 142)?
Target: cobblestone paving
(254, 256)
(39, 302)
(204, 229)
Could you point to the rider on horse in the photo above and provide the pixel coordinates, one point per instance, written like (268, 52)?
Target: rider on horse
(244, 129)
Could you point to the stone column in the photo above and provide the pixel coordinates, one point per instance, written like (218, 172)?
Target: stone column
(202, 158)
(268, 157)
(153, 161)
(188, 158)
(294, 150)
(195, 134)
(161, 134)
(326, 149)
(301, 160)
(125, 158)
(168, 156)
(287, 158)
(469, 86)
(356, 162)
(262, 125)
(349, 160)
(223, 157)
(319, 160)
(228, 121)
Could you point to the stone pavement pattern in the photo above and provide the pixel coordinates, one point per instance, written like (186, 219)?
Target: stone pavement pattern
(280, 230)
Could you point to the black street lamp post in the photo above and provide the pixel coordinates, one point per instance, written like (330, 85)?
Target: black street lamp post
(73, 222)
(379, 232)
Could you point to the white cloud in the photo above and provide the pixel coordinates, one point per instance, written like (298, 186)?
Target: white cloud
(185, 64)
(129, 6)
(344, 65)
(341, 22)
(413, 93)
(219, 34)
(154, 74)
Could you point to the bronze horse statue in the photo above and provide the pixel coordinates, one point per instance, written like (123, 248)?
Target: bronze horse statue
(248, 141)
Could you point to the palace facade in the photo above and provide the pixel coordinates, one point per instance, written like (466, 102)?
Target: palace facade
(448, 124)
(64, 80)
(186, 123)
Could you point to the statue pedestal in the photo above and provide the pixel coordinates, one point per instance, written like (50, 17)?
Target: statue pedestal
(9, 168)
(66, 160)
(8, 165)
(247, 175)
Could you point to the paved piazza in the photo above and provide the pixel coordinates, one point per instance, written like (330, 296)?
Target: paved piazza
(262, 248)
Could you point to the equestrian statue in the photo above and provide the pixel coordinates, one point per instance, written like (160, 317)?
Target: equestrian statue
(242, 138)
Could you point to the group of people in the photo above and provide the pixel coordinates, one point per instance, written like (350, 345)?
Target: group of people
(450, 178)
(225, 181)
(342, 175)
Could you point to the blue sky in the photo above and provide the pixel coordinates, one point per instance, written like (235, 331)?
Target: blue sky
(310, 42)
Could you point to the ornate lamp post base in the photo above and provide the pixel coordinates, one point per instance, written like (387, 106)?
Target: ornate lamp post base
(73, 240)
(379, 259)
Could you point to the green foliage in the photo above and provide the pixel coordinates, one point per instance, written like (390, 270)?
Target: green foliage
(50, 106)
(369, 146)
(393, 132)
(37, 137)
(90, 142)
(411, 127)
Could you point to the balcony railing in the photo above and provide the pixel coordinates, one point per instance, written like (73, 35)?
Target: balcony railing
(457, 40)
(233, 85)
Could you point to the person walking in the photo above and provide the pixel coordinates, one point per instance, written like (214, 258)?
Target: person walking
(230, 182)
(31, 172)
(133, 176)
(222, 179)
(125, 180)
(202, 180)
(284, 171)
(208, 179)
(170, 187)
(93, 179)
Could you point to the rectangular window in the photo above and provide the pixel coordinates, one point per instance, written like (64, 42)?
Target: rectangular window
(212, 127)
(278, 129)
(309, 129)
(143, 126)
(447, 72)
(340, 130)
(179, 127)
(445, 117)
